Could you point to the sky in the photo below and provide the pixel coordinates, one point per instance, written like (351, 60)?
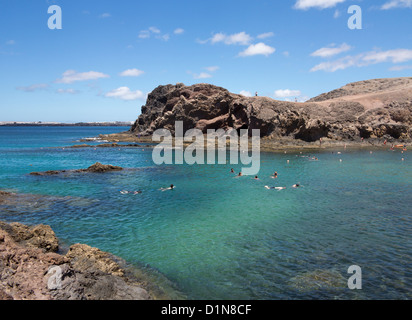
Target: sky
(108, 55)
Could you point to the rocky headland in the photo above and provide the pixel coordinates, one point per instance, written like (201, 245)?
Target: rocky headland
(372, 111)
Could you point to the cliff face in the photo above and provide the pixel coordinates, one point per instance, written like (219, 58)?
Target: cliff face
(379, 108)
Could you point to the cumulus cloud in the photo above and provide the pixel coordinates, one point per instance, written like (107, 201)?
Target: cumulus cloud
(365, 59)
(34, 87)
(202, 75)
(144, 34)
(179, 31)
(286, 93)
(124, 93)
(241, 38)
(331, 51)
(131, 73)
(319, 4)
(245, 93)
(266, 35)
(257, 49)
(212, 68)
(154, 30)
(69, 91)
(397, 4)
(400, 68)
(71, 76)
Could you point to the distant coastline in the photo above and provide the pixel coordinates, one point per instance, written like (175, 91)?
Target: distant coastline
(59, 124)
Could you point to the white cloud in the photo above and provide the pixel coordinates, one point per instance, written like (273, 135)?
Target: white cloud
(245, 93)
(286, 54)
(131, 73)
(331, 51)
(179, 31)
(124, 93)
(154, 30)
(394, 56)
(397, 4)
(144, 34)
(105, 15)
(336, 14)
(365, 59)
(70, 91)
(212, 68)
(266, 35)
(11, 42)
(400, 68)
(164, 37)
(320, 4)
(241, 38)
(202, 75)
(34, 87)
(71, 76)
(257, 49)
(285, 93)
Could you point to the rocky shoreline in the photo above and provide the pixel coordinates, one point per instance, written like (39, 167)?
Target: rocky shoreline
(31, 269)
(267, 144)
(33, 266)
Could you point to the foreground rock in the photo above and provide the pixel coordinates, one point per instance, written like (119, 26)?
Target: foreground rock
(30, 269)
(374, 109)
(96, 168)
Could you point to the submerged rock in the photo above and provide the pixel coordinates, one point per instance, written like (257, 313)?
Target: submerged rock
(318, 280)
(95, 168)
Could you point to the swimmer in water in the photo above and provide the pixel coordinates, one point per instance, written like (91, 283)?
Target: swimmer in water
(240, 174)
(130, 192)
(296, 185)
(232, 171)
(170, 188)
(256, 178)
(276, 188)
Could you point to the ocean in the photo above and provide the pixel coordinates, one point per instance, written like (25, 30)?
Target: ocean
(218, 236)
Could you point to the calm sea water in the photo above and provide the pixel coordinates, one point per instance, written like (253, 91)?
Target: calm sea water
(221, 237)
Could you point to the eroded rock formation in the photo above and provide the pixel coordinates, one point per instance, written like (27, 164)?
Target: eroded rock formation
(380, 108)
(31, 269)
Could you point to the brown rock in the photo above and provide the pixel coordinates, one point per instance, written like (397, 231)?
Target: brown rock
(385, 105)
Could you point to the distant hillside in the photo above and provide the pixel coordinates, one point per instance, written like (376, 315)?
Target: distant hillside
(380, 108)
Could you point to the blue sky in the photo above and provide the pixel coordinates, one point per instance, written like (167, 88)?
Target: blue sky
(110, 54)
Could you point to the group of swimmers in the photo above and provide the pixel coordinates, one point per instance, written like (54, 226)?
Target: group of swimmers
(274, 176)
(172, 187)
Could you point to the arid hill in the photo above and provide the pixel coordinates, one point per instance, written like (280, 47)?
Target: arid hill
(380, 108)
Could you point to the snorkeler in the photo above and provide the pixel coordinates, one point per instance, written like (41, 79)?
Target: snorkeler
(276, 188)
(130, 192)
(170, 188)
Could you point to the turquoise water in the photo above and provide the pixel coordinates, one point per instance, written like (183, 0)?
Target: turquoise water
(221, 237)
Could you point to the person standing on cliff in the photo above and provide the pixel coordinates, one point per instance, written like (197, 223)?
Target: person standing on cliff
(256, 94)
